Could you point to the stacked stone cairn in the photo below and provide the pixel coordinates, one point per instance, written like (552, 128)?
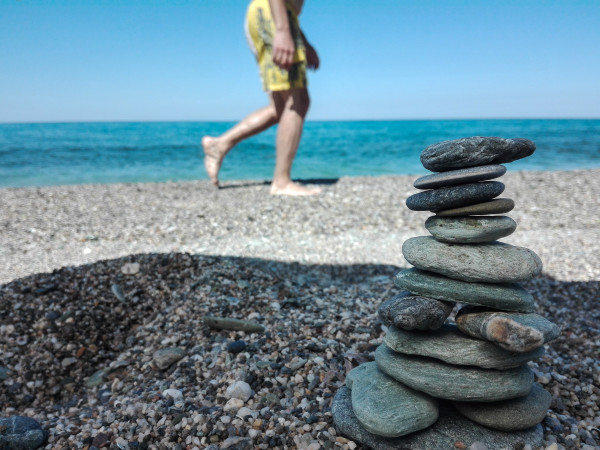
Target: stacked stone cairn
(434, 383)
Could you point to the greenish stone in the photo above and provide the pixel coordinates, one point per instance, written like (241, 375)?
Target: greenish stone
(461, 383)
(448, 344)
(507, 297)
(386, 407)
(512, 331)
(450, 428)
(488, 263)
(495, 206)
(474, 151)
(509, 415)
(97, 378)
(470, 230)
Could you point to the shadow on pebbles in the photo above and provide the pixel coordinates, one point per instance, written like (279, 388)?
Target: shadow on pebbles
(118, 354)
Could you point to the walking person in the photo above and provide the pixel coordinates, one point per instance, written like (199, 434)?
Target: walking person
(283, 55)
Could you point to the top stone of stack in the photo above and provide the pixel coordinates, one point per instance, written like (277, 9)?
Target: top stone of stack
(474, 151)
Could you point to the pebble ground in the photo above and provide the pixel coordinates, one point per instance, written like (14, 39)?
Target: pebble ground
(312, 270)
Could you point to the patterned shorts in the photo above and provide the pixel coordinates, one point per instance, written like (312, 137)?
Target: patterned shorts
(260, 30)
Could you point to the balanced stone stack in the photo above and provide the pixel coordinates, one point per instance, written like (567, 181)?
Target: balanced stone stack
(435, 383)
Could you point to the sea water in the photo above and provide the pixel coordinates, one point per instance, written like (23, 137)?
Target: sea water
(76, 153)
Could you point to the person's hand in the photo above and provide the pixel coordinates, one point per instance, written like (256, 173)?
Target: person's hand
(312, 59)
(283, 49)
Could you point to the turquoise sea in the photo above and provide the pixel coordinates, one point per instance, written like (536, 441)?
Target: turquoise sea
(76, 153)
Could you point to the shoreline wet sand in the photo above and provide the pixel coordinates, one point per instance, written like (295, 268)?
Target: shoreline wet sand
(312, 270)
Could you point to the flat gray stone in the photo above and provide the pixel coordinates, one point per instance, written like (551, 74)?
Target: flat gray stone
(460, 176)
(474, 151)
(495, 206)
(450, 428)
(164, 357)
(470, 230)
(448, 344)
(462, 383)
(454, 196)
(506, 297)
(514, 332)
(489, 263)
(414, 312)
(386, 407)
(509, 415)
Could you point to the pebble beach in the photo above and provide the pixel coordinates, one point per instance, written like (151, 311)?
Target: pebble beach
(106, 290)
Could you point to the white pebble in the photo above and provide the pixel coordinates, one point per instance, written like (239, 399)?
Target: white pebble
(239, 389)
(233, 404)
(175, 394)
(244, 412)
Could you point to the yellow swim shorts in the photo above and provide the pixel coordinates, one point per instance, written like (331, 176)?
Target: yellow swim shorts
(260, 30)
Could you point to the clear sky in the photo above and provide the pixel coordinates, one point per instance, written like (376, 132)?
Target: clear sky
(138, 60)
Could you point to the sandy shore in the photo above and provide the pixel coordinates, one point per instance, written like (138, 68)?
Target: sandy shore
(134, 268)
(356, 220)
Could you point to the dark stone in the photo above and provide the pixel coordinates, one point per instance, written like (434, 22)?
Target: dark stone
(454, 196)
(460, 176)
(496, 206)
(508, 297)
(414, 312)
(236, 346)
(450, 428)
(18, 432)
(474, 151)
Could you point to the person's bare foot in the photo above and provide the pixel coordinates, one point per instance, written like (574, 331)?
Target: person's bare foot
(292, 188)
(213, 157)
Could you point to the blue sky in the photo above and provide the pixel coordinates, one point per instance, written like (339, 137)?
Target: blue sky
(138, 60)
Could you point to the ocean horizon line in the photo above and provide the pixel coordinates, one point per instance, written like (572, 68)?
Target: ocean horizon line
(221, 121)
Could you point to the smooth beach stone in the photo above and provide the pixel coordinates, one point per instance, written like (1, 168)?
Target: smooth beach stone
(448, 344)
(454, 196)
(450, 428)
(20, 432)
(164, 357)
(470, 230)
(489, 263)
(509, 415)
(388, 408)
(453, 382)
(507, 297)
(414, 312)
(474, 151)
(512, 331)
(495, 206)
(460, 176)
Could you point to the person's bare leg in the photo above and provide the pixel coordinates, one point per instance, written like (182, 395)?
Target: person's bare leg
(291, 107)
(215, 148)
